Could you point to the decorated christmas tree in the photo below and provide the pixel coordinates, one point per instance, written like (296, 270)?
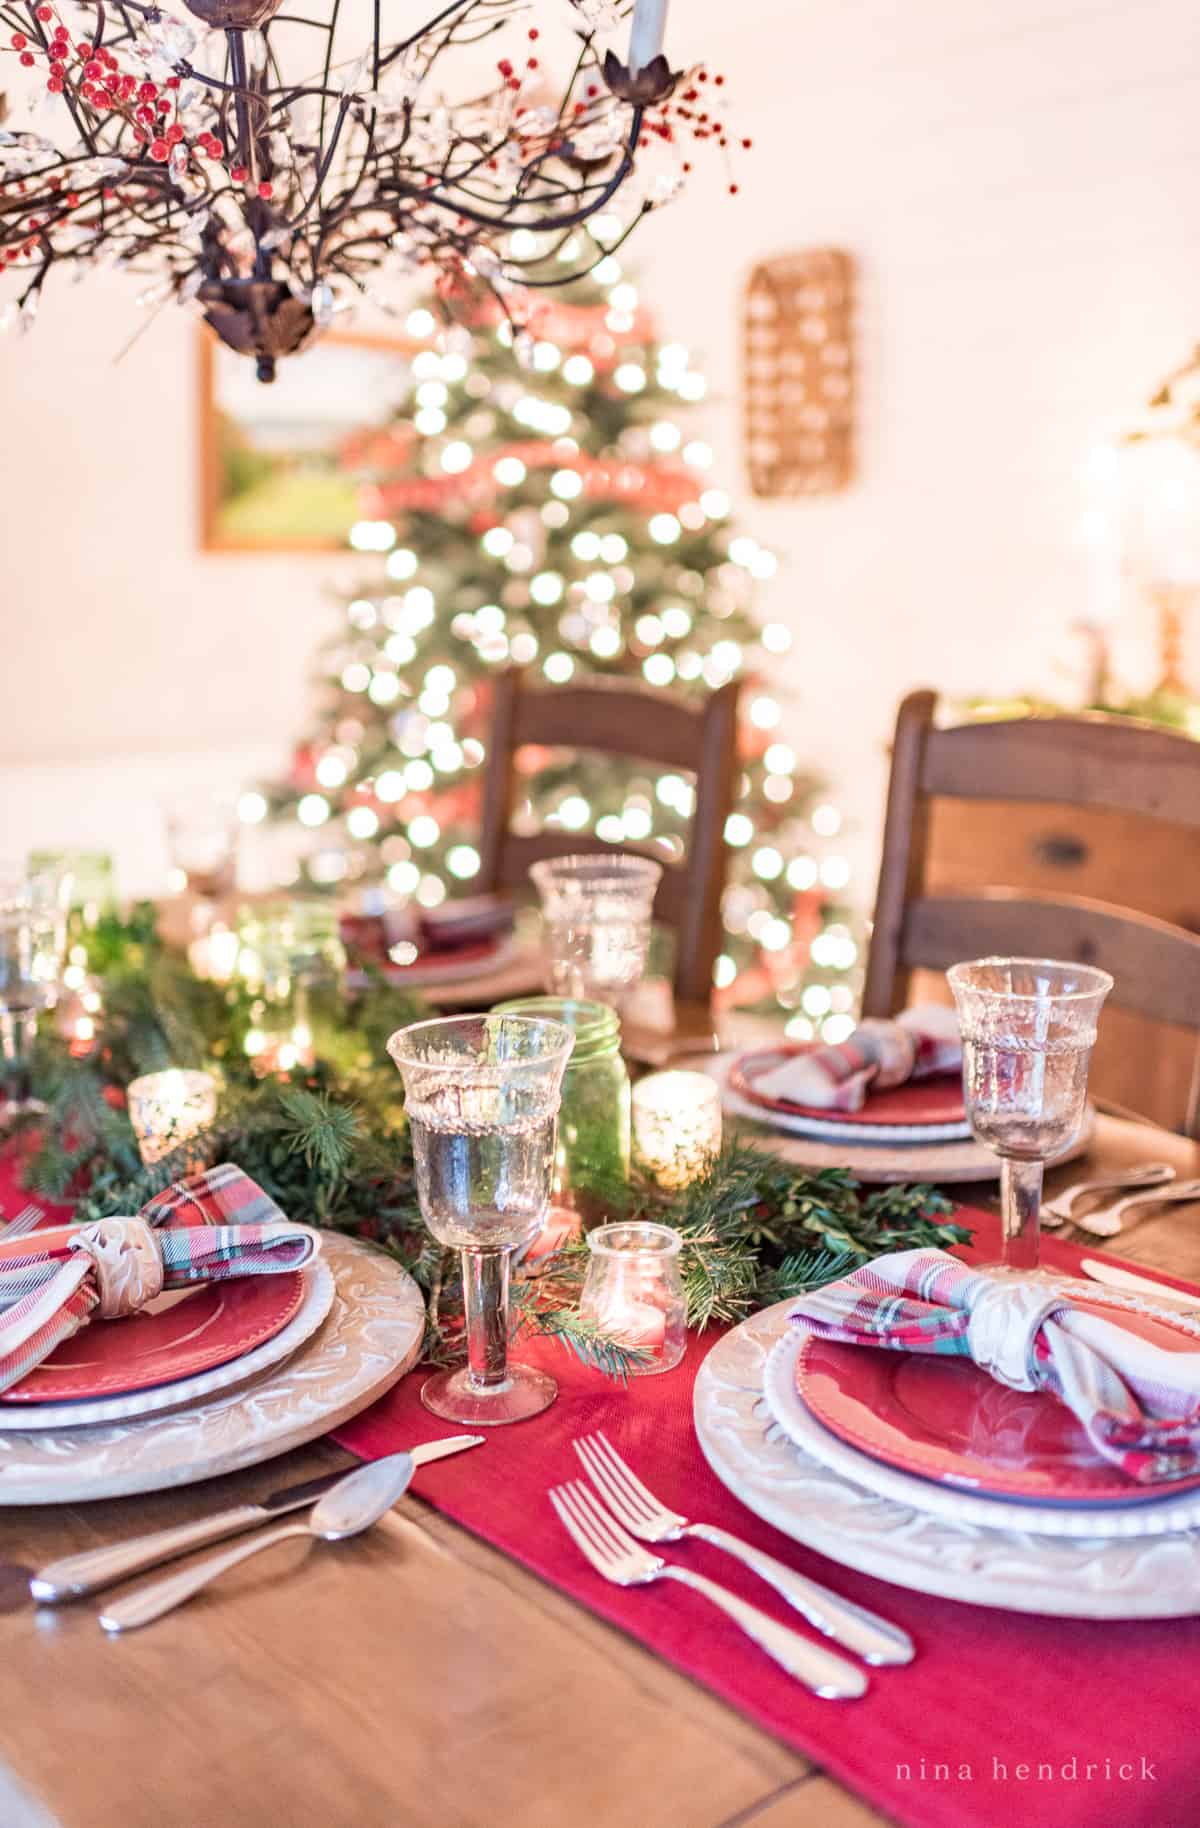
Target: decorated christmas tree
(539, 501)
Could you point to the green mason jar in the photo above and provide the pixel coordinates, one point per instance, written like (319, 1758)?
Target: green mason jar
(592, 1166)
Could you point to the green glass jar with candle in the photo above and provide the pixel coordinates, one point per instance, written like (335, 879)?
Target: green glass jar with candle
(287, 949)
(592, 1166)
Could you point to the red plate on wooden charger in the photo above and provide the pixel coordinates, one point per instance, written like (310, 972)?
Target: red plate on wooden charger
(209, 1326)
(946, 1420)
(925, 1101)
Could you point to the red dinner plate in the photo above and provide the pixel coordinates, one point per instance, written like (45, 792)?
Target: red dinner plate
(925, 1101)
(446, 963)
(946, 1420)
(211, 1325)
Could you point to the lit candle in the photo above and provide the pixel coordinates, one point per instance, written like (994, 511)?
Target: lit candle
(215, 954)
(168, 1109)
(676, 1126)
(646, 34)
(634, 1323)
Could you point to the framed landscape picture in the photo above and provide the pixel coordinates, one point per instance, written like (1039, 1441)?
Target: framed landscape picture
(275, 467)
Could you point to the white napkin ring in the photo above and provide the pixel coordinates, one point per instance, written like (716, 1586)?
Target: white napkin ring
(1005, 1316)
(891, 1049)
(129, 1265)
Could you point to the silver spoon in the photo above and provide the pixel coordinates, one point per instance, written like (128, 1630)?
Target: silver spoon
(352, 1505)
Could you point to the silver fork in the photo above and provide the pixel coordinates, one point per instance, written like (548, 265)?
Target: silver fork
(27, 1220)
(616, 1556)
(641, 1513)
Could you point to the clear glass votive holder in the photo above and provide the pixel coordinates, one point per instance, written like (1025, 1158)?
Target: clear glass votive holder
(634, 1291)
(676, 1127)
(170, 1110)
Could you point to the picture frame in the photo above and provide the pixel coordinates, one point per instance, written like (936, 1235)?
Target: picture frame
(267, 465)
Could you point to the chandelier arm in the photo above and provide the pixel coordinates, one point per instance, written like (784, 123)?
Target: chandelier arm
(601, 254)
(331, 33)
(247, 135)
(398, 50)
(540, 224)
(323, 167)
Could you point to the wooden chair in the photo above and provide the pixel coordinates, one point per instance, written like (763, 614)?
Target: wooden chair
(638, 722)
(1145, 780)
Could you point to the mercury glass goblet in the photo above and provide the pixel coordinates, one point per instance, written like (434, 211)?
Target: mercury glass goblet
(596, 914)
(482, 1095)
(1028, 1027)
(33, 938)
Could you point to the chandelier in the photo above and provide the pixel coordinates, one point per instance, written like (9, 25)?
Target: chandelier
(272, 168)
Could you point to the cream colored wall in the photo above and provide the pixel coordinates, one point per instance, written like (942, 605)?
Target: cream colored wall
(1018, 185)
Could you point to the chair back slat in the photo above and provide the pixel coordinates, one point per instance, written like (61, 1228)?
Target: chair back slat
(645, 725)
(1155, 967)
(1131, 771)
(1076, 761)
(642, 723)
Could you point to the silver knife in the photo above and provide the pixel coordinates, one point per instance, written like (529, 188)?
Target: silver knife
(76, 1575)
(1112, 1277)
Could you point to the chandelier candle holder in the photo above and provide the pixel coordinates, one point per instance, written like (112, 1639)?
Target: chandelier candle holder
(676, 1127)
(170, 1110)
(634, 1292)
(273, 169)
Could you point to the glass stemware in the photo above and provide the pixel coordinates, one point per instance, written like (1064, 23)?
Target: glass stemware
(482, 1095)
(1028, 1027)
(596, 914)
(33, 938)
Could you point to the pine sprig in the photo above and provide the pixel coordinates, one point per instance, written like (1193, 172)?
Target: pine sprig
(331, 1146)
(589, 1344)
(321, 1132)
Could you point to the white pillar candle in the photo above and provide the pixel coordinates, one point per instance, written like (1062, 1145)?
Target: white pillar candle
(646, 33)
(169, 1109)
(676, 1126)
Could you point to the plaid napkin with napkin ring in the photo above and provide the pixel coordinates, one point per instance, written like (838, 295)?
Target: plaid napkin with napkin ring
(211, 1227)
(837, 1077)
(1139, 1403)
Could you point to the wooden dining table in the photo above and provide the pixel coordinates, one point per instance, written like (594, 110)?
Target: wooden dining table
(413, 1676)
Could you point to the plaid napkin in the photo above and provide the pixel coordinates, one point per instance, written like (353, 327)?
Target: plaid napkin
(1139, 1403)
(209, 1228)
(879, 1054)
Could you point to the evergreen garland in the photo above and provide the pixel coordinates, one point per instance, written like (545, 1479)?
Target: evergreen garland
(331, 1147)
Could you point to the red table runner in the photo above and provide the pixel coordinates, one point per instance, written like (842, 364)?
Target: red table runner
(1002, 1721)
(1002, 1718)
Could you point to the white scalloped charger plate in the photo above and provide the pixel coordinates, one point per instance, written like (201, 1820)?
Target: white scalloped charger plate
(1018, 1569)
(88, 1412)
(1154, 1517)
(370, 1338)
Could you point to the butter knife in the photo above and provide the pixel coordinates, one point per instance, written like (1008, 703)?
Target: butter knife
(1113, 1277)
(77, 1575)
